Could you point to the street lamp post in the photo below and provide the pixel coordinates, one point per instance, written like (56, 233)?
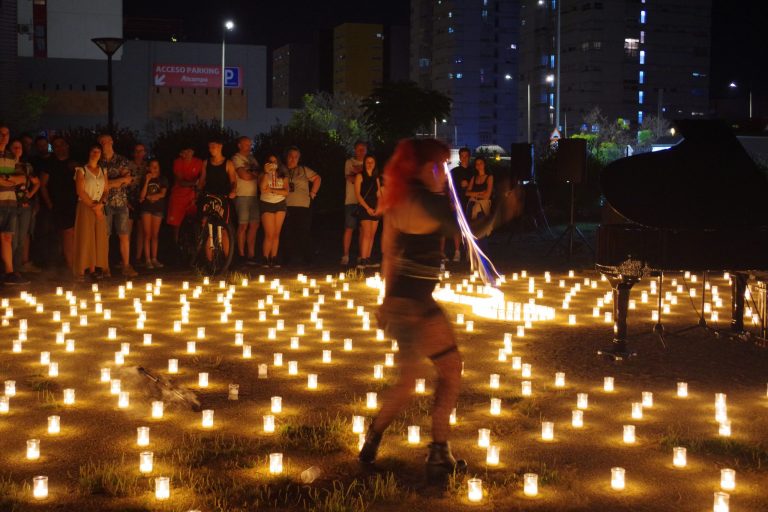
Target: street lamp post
(109, 45)
(228, 25)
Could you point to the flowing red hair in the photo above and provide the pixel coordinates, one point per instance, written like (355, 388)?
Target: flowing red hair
(409, 157)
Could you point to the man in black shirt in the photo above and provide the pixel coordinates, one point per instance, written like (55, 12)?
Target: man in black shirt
(460, 176)
(57, 180)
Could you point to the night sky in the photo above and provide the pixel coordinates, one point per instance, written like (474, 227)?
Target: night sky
(739, 46)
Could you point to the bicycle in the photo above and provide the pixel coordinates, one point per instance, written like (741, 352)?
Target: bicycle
(207, 239)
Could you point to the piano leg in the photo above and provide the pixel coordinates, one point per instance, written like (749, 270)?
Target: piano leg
(738, 287)
(621, 286)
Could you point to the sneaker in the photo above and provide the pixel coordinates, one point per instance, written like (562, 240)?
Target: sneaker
(251, 262)
(148, 265)
(275, 263)
(344, 260)
(373, 264)
(128, 271)
(267, 262)
(362, 263)
(15, 278)
(157, 264)
(456, 257)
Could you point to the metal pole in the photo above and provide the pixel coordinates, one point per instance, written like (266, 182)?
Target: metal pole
(557, 92)
(223, 54)
(529, 113)
(110, 106)
(750, 103)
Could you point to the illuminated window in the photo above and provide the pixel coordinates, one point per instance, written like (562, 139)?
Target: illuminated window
(631, 46)
(642, 17)
(640, 97)
(639, 117)
(552, 61)
(641, 77)
(459, 76)
(642, 37)
(551, 99)
(450, 30)
(642, 56)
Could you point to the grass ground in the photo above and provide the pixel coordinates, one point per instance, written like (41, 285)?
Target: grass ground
(93, 464)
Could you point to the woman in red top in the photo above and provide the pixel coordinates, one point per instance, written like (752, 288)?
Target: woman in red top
(186, 171)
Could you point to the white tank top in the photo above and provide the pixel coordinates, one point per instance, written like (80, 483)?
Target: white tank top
(93, 184)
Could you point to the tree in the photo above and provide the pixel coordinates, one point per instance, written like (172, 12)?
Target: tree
(340, 115)
(397, 110)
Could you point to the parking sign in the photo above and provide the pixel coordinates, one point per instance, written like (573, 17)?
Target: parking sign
(232, 77)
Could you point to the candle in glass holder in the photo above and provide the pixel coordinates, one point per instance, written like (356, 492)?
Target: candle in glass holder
(525, 388)
(262, 371)
(145, 462)
(420, 386)
(547, 431)
(173, 366)
(577, 418)
(474, 490)
(517, 362)
(119, 358)
(142, 436)
(559, 379)
(33, 449)
(483, 437)
(389, 359)
(608, 384)
(4, 404)
(629, 434)
(123, 399)
(526, 371)
(69, 396)
(414, 436)
(268, 423)
(358, 424)
(721, 503)
(275, 463)
(54, 424)
(725, 428)
(370, 400)
(326, 356)
(452, 417)
(114, 386)
(202, 379)
(470, 326)
(10, 388)
(495, 406)
(277, 359)
(530, 484)
(647, 399)
(571, 318)
(312, 381)
(277, 404)
(45, 357)
(728, 479)
(494, 381)
(40, 487)
(191, 347)
(492, 455)
(157, 409)
(682, 389)
(53, 369)
(347, 344)
(162, 488)
(201, 333)
(637, 410)
(293, 367)
(679, 457)
(617, 479)
(207, 420)
(582, 400)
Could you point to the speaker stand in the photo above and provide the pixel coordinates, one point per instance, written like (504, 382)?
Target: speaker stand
(571, 231)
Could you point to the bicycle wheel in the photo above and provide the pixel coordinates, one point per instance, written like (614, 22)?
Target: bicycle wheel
(217, 248)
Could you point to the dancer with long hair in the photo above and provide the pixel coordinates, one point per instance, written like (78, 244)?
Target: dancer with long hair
(417, 214)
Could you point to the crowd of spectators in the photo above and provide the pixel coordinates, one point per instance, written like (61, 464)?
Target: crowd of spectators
(68, 210)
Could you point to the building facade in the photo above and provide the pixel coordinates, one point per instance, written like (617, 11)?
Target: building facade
(632, 59)
(467, 49)
(295, 73)
(52, 58)
(358, 58)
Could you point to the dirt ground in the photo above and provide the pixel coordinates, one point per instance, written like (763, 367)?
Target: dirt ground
(93, 463)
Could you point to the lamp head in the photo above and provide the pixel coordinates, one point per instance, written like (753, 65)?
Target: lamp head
(229, 24)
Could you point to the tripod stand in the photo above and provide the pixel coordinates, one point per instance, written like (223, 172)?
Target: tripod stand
(571, 231)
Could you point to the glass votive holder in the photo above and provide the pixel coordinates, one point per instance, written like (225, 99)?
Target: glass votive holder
(721, 503)
(54, 424)
(275, 463)
(33, 449)
(207, 419)
(728, 479)
(414, 436)
(679, 457)
(560, 379)
(629, 434)
(146, 460)
(682, 389)
(577, 418)
(40, 487)
(582, 400)
(276, 404)
(647, 399)
(173, 366)
(162, 488)
(608, 384)
(547, 431)
(483, 437)
(617, 478)
(157, 409)
(475, 490)
(530, 484)
(525, 388)
(142, 436)
(492, 455)
(637, 410)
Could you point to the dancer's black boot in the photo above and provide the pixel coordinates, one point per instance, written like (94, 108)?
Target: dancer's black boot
(441, 463)
(370, 447)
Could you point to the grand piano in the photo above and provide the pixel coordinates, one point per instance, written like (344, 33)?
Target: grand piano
(701, 205)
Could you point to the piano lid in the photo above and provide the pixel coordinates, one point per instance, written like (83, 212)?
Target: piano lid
(706, 181)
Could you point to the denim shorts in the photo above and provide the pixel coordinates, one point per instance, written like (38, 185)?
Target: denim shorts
(350, 217)
(247, 208)
(8, 216)
(118, 217)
